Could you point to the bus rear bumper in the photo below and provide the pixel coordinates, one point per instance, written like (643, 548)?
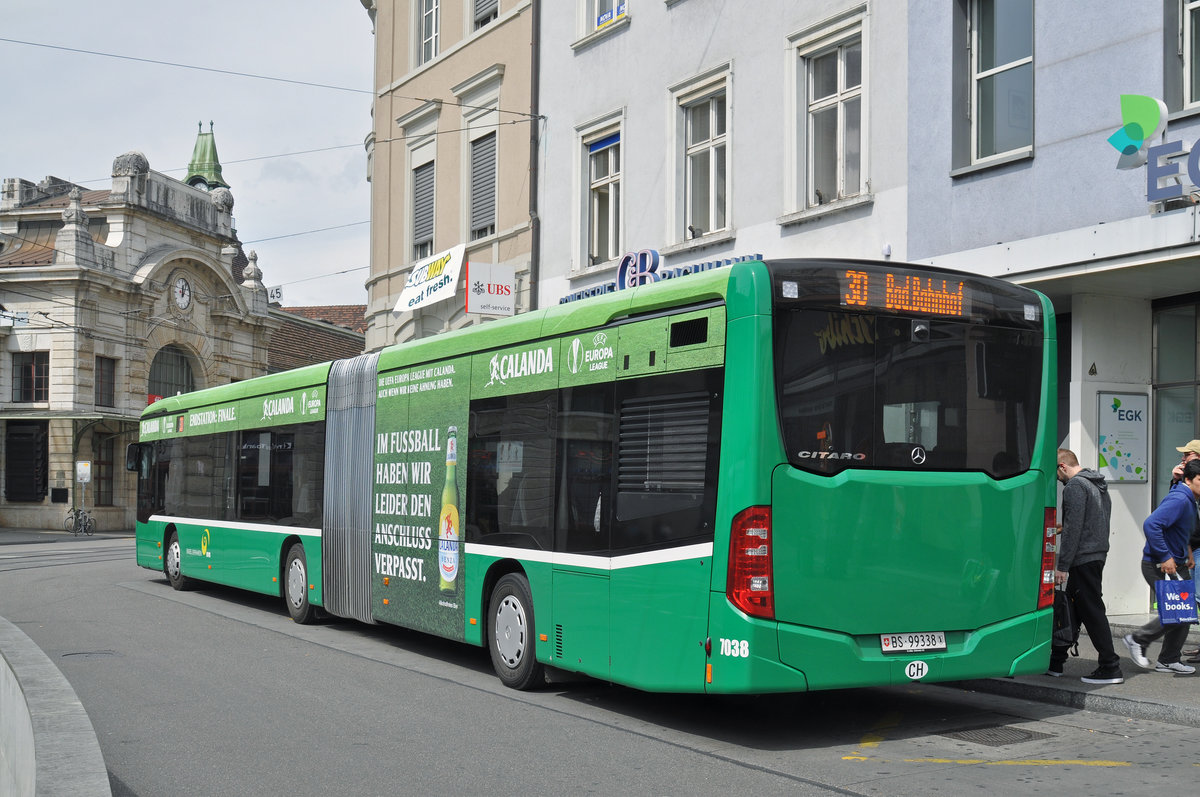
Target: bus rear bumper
(750, 655)
(1017, 646)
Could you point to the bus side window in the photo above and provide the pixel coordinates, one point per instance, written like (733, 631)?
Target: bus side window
(585, 461)
(510, 471)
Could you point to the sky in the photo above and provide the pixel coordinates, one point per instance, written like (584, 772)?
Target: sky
(69, 114)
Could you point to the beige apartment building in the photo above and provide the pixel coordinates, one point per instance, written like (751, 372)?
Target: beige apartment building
(449, 153)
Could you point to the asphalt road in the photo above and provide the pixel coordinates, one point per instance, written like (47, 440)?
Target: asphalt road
(215, 691)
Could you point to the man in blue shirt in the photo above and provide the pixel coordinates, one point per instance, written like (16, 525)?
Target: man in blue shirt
(1167, 553)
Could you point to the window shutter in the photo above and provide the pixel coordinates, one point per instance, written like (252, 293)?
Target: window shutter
(483, 184)
(485, 9)
(423, 203)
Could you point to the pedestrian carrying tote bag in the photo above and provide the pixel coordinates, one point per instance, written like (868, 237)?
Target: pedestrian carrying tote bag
(1176, 600)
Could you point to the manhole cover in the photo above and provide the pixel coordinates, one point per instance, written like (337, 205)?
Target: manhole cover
(996, 735)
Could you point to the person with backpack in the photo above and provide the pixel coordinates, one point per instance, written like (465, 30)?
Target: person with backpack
(1082, 551)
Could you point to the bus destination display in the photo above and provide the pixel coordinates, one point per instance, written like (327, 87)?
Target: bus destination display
(903, 292)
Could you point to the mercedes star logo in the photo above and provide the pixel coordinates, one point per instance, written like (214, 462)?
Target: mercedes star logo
(918, 456)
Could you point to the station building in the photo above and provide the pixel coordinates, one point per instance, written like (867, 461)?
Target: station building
(112, 298)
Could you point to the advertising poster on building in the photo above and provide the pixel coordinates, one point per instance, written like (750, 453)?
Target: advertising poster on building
(1123, 421)
(420, 480)
(491, 289)
(432, 280)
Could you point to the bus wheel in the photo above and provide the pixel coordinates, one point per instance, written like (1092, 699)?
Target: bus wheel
(171, 563)
(511, 638)
(295, 585)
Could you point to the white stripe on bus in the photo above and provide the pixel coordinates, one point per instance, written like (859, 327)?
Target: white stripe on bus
(621, 562)
(303, 531)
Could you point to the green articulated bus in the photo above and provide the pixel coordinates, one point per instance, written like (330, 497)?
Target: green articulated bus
(765, 477)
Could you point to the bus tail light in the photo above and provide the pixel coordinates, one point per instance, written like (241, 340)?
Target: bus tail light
(749, 584)
(1049, 530)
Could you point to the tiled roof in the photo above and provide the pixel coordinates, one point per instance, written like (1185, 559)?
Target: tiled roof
(299, 343)
(87, 198)
(33, 243)
(349, 316)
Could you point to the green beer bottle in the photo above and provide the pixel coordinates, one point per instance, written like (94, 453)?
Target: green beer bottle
(448, 523)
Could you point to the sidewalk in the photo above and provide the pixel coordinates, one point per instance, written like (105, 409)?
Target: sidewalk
(1144, 695)
(27, 536)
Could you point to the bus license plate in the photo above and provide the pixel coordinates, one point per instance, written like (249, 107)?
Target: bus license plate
(911, 643)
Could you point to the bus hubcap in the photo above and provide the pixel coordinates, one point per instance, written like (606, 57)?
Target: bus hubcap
(510, 630)
(295, 582)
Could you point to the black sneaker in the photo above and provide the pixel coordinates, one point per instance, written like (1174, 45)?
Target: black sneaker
(1103, 676)
(1055, 670)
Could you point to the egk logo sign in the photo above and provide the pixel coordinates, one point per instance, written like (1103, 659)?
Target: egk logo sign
(1143, 119)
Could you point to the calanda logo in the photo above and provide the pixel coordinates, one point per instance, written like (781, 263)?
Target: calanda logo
(278, 406)
(526, 363)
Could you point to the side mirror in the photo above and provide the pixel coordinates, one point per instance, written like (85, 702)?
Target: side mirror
(134, 452)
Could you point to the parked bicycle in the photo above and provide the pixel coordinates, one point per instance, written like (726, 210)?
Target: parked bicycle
(78, 520)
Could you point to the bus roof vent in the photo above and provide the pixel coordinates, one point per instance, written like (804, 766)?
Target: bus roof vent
(690, 332)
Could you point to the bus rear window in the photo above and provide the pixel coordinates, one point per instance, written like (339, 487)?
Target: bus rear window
(858, 390)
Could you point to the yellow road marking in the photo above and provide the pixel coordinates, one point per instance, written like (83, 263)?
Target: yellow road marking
(1022, 762)
(874, 736)
(1015, 762)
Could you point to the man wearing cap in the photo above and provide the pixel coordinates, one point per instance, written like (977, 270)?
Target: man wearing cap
(1190, 451)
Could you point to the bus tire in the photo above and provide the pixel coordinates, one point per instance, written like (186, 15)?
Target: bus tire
(172, 563)
(295, 585)
(511, 634)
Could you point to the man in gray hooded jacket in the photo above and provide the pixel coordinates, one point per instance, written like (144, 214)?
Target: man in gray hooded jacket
(1082, 550)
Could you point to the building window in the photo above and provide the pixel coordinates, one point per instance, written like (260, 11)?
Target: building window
(1176, 385)
(422, 193)
(1001, 77)
(31, 376)
(602, 13)
(27, 454)
(483, 186)
(428, 26)
(833, 136)
(1191, 52)
(103, 448)
(705, 164)
(106, 382)
(485, 11)
(604, 199)
(171, 372)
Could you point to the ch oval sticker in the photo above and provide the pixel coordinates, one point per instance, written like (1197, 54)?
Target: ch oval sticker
(916, 670)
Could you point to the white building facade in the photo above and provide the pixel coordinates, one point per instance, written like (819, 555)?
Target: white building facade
(705, 132)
